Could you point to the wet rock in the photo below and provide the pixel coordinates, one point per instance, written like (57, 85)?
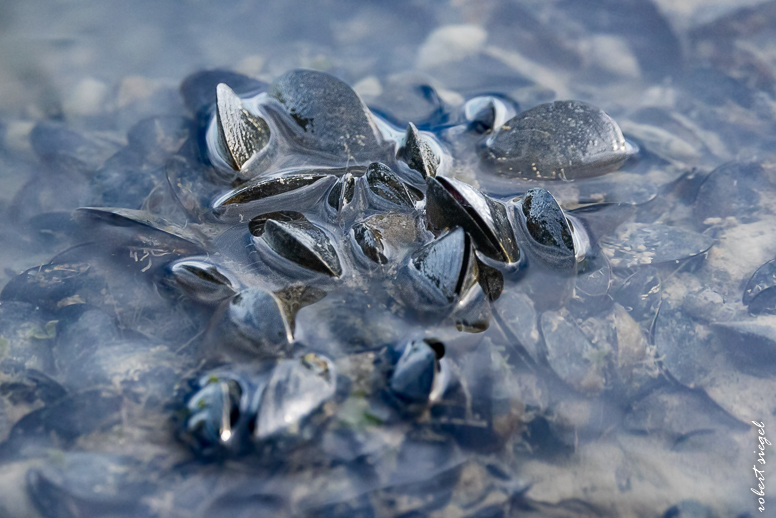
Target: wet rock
(348, 322)
(64, 148)
(125, 180)
(450, 43)
(24, 390)
(640, 295)
(592, 286)
(145, 373)
(751, 345)
(81, 330)
(636, 362)
(560, 140)
(517, 314)
(738, 251)
(733, 190)
(26, 336)
(677, 413)
(481, 407)
(686, 346)
(607, 192)
(571, 355)
(689, 509)
(638, 244)
(89, 484)
(725, 41)
(618, 20)
(468, 75)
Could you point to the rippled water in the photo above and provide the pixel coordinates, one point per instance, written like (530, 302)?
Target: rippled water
(626, 389)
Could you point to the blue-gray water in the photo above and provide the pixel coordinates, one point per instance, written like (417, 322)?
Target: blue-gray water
(627, 388)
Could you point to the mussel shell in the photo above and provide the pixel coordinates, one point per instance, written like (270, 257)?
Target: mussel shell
(487, 113)
(330, 116)
(546, 229)
(61, 423)
(417, 154)
(389, 190)
(303, 189)
(451, 203)
(416, 372)
(296, 389)
(559, 140)
(293, 237)
(759, 294)
(256, 323)
(202, 280)
(342, 192)
(213, 413)
(440, 272)
(369, 240)
(240, 133)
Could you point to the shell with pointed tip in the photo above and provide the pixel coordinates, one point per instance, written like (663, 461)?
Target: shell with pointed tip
(417, 154)
(293, 237)
(240, 133)
(202, 280)
(418, 375)
(546, 231)
(439, 273)
(451, 203)
(213, 412)
(296, 389)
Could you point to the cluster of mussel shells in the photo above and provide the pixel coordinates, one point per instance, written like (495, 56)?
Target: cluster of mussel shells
(439, 247)
(325, 197)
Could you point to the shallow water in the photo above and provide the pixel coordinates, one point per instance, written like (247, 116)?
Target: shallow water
(627, 388)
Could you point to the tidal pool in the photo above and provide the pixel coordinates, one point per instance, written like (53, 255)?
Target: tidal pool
(383, 259)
